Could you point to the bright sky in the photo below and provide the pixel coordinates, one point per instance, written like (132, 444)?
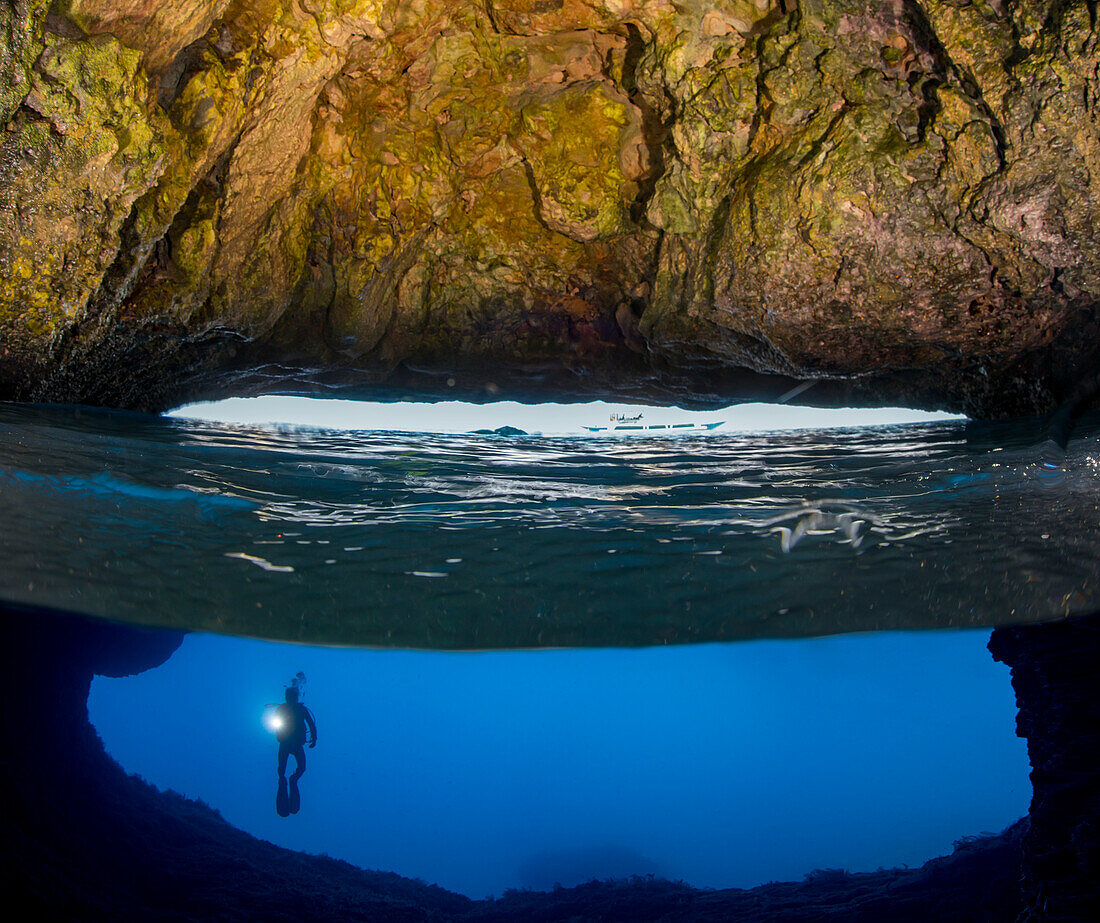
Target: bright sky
(547, 419)
(721, 765)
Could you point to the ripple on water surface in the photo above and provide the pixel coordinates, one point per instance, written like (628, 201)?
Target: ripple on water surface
(472, 541)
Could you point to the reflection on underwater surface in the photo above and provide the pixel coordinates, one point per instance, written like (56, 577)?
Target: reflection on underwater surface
(719, 765)
(404, 540)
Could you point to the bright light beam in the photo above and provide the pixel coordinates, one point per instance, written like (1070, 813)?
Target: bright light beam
(273, 721)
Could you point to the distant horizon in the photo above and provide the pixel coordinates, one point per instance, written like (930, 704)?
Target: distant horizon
(457, 417)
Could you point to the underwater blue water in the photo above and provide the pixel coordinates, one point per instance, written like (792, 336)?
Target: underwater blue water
(723, 765)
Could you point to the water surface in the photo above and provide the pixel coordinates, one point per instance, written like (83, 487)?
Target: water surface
(413, 540)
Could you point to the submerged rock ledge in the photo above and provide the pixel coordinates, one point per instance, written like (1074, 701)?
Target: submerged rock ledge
(695, 202)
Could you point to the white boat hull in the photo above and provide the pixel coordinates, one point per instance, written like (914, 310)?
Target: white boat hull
(654, 427)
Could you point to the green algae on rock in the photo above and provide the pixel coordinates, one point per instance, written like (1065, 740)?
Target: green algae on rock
(680, 201)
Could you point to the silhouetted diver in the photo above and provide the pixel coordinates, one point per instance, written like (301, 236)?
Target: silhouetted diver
(291, 720)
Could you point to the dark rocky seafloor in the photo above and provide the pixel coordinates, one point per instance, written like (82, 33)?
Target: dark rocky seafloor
(84, 841)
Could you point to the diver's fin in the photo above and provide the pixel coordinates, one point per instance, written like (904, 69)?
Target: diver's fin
(282, 800)
(295, 800)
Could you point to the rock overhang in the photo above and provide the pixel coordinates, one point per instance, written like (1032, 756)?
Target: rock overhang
(694, 202)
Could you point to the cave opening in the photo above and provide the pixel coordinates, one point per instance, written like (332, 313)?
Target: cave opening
(722, 766)
(546, 418)
(545, 200)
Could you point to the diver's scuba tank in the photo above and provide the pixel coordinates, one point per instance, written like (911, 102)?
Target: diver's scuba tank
(299, 683)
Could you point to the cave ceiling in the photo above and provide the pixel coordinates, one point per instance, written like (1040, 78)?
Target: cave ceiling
(689, 202)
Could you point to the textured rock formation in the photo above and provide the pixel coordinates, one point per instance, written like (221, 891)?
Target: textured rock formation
(1054, 675)
(691, 200)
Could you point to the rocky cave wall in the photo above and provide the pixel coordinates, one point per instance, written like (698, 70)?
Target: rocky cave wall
(688, 201)
(82, 840)
(1056, 682)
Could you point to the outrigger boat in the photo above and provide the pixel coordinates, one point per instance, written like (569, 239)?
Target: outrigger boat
(620, 422)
